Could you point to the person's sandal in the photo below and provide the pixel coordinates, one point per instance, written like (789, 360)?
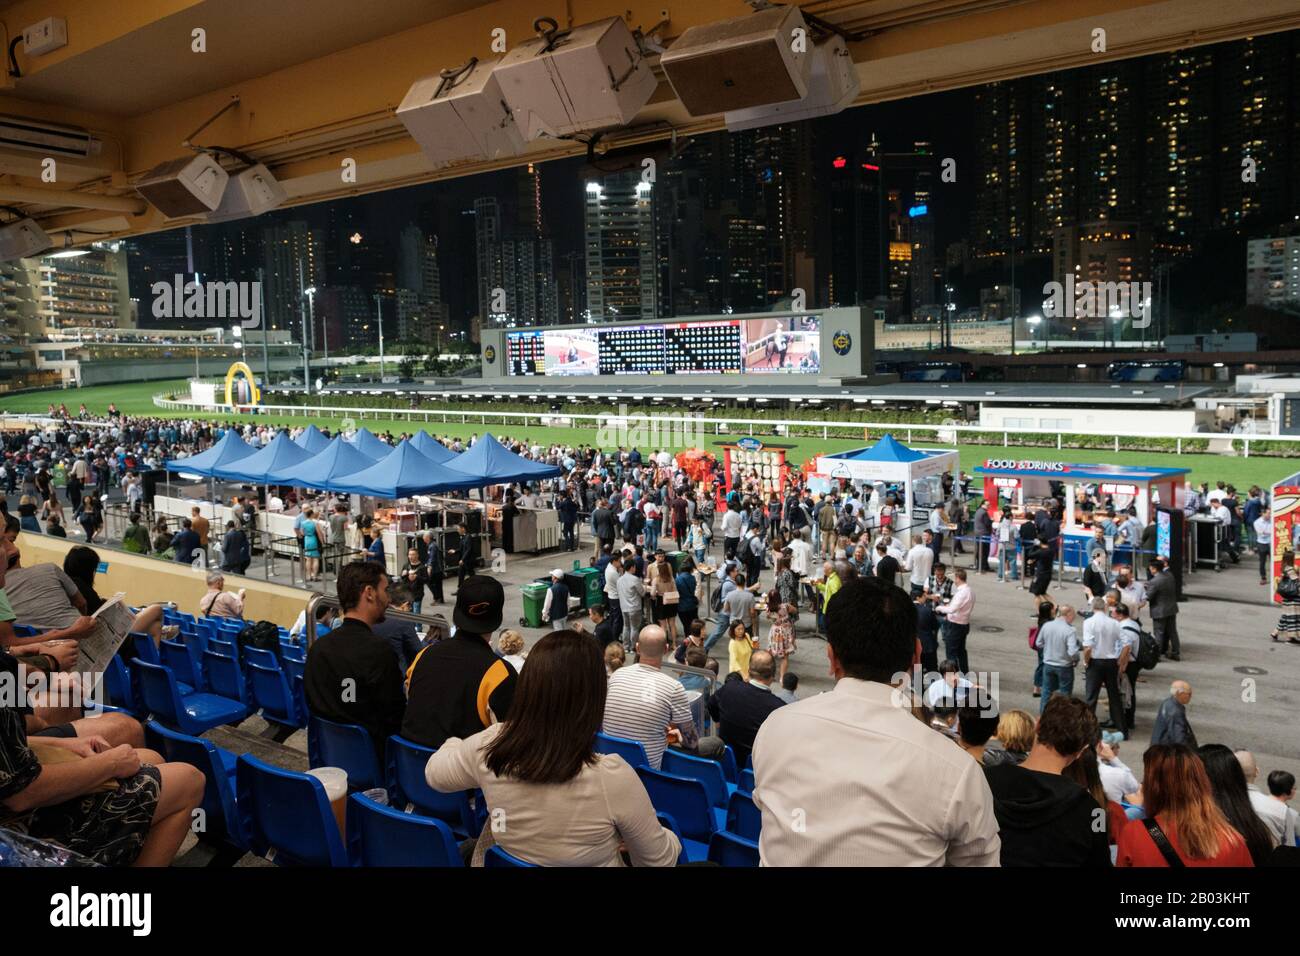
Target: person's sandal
(1273, 635)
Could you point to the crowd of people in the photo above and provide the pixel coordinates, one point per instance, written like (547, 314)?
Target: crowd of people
(937, 770)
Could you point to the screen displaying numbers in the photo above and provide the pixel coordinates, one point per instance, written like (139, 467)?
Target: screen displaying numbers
(781, 344)
(525, 353)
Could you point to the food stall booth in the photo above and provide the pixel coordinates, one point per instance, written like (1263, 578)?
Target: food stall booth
(1028, 484)
(916, 472)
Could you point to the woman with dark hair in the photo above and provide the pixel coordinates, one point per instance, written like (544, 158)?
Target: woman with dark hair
(80, 564)
(1228, 782)
(688, 601)
(1183, 824)
(561, 803)
(1046, 611)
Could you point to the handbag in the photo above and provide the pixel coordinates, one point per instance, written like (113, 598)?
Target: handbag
(1288, 589)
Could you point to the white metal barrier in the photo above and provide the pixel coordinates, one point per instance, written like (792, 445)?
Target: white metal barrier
(944, 433)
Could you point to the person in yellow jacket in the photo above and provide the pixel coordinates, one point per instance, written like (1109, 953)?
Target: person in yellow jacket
(739, 649)
(827, 587)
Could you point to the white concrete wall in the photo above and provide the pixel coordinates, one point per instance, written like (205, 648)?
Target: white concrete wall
(1121, 420)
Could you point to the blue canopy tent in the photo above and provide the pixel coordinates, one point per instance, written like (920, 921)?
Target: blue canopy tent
(405, 472)
(430, 447)
(371, 446)
(491, 463)
(338, 459)
(313, 439)
(281, 452)
(231, 448)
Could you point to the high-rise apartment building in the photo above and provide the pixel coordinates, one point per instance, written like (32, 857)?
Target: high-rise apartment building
(622, 269)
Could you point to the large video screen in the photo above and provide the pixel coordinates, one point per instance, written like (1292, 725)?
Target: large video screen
(722, 347)
(572, 352)
(782, 344)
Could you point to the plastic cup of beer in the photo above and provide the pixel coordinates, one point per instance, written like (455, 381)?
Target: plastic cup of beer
(335, 782)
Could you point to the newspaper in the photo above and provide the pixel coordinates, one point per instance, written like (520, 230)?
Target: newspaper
(112, 624)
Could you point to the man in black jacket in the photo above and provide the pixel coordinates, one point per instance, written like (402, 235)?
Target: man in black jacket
(352, 675)
(467, 555)
(1046, 819)
(1171, 726)
(740, 707)
(983, 529)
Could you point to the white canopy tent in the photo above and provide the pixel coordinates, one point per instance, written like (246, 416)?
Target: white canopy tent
(892, 462)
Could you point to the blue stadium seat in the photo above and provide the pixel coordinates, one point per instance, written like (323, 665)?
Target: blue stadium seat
(143, 647)
(408, 788)
(746, 781)
(346, 746)
(256, 655)
(293, 668)
(727, 849)
(177, 656)
(286, 815)
(191, 713)
(299, 694)
(207, 629)
(749, 761)
(290, 652)
(197, 643)
(498, 858)
(686, 800)
(382, 836)
(630, 750)
(218, 767)
(743, 818)
(225, 679)
(272, 693)
(25, 630)
(706, 771)
(728, 762)
(222, 646)
(692, 850)
(120, 688)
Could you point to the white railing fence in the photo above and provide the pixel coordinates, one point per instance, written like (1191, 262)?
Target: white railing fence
(1221, 443)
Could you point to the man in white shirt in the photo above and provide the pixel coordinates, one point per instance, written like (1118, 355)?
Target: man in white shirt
(956, 614)
(917, 799)
(801, 555)
(1116, 778)
(1276, 815)
(918, 562)
(731, 529)
(1105, 654)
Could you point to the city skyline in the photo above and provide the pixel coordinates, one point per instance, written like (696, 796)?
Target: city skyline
(728, 220)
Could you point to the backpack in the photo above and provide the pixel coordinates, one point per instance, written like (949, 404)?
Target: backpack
(715, 602)
(264, 635)
(1148, 655)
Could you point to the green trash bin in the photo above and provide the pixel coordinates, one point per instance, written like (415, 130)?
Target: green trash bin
(534, 598)
(587, 585)
(675, 558)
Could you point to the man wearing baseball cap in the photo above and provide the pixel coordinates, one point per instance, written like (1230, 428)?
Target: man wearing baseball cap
(556, 607)
(460, 686)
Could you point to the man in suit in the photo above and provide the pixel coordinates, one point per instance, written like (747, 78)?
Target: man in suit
(1162, 599)
(1171, 725)
(983, 527)
(740, 707)
(467, 554)
(433, 566)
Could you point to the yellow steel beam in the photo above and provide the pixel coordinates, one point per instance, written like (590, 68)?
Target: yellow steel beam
(306, 118)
